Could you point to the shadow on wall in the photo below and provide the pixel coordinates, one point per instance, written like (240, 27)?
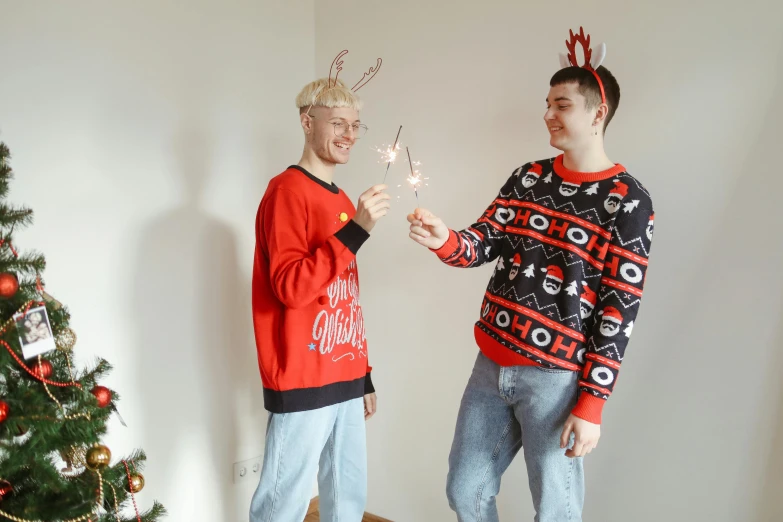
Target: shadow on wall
(771, 507)
(192, 320)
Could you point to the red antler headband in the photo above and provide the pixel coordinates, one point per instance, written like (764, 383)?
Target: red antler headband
(592, 62)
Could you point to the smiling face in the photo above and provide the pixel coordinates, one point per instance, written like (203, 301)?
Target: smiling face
(321, 127)
(569, 121)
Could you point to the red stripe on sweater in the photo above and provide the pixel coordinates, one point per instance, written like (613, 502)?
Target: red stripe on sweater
(537, 316)
(475, 231)
(621, 286)
(488, 221)
(603, 360)
(581, 222)
(597, 388)
(625, 253)
(538, 353)
(560, 244)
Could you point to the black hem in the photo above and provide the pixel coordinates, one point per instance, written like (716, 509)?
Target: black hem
(304, 399)
(352, 235)
(331, 187)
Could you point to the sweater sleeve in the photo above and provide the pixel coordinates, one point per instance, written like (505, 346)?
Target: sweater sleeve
(299, 275)
(481, 242)
(622, 282)
(368, 385)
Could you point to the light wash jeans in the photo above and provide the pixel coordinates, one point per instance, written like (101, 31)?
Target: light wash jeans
(330, 441)
(505, 409)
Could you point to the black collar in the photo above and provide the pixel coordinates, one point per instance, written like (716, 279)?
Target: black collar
(331, 187)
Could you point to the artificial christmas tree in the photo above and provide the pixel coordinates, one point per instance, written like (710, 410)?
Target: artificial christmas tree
(53, 467)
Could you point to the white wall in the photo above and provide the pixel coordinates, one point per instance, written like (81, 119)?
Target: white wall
(144, 134)
(689, 432)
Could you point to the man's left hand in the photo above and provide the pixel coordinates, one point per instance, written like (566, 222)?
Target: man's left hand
(586, 435)
(370, 405)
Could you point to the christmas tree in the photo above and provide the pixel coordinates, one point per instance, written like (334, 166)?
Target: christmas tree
(53, 467)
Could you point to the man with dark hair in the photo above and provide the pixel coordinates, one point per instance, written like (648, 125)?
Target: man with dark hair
(552, 338)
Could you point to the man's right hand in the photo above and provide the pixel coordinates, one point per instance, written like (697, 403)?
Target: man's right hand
(372, 206)
(427, 229)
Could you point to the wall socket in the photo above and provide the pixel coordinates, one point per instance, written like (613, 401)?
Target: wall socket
(248, 470)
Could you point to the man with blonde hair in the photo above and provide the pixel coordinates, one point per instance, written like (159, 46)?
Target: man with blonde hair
(308, 321)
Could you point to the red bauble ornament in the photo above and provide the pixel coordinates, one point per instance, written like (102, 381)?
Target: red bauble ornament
(5, 489)
(9, 285)
(43, 369)
(103, 394)
(4, 410)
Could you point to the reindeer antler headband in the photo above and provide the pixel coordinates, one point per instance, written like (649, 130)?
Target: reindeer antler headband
(337, 66)
(592, 62)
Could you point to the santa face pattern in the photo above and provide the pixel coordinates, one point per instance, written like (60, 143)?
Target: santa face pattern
(584, 241)
(612, 203)
(587, 301)
(609, 328)
(569, 189)
(516, 262)
(529, 179)
(649, 230)
(552, 286)
(585, 310)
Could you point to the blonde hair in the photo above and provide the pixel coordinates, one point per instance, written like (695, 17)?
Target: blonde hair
(320, 94)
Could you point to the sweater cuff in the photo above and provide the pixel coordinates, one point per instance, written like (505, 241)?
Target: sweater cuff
(589, 408)
(368, 387)
(449, 247)
(352, 235)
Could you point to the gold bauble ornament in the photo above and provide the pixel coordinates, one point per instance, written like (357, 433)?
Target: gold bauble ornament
(98, 457)
(65, 340)
(136, 483)
(74, 458)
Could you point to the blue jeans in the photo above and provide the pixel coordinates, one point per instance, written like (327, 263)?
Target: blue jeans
(330, 441)
(505, 409)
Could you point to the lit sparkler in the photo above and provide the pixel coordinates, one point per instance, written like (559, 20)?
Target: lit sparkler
(389, 154)
(415, 178)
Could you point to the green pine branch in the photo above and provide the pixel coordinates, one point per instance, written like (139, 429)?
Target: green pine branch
(15, 217)
(46, 422)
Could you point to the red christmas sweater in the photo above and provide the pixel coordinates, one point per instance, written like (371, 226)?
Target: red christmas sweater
(571, 251)
(308, 322)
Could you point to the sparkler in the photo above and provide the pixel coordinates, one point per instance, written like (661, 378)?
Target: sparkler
(390, 154)
(415, 178)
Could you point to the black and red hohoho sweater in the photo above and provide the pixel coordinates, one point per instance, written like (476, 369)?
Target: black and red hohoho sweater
(572, 251)
(309, 328)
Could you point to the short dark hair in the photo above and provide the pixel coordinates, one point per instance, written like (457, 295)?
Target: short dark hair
(589, 88)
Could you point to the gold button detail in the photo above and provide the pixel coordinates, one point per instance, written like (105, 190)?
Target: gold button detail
(343, 217)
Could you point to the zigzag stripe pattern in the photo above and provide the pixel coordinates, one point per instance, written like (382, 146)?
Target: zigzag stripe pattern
(610, 351)
(511, 292)
(635, 241)
(605, 295)
(567, 208)
(559, 253)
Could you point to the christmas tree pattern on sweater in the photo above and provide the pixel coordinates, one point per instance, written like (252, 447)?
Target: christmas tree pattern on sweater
(572, 253)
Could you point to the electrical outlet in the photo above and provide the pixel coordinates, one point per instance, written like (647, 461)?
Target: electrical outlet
(248, 470)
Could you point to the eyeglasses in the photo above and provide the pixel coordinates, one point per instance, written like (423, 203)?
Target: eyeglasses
(341, 128)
